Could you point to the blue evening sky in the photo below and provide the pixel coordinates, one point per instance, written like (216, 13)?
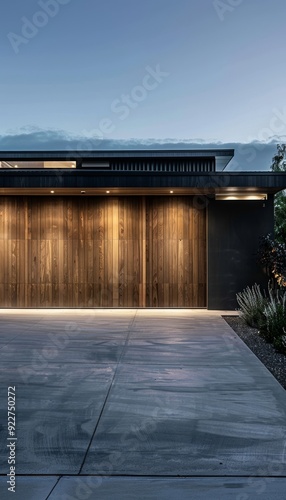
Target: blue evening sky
(220, 72)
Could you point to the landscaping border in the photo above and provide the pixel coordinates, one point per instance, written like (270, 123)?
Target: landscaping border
(274, 361)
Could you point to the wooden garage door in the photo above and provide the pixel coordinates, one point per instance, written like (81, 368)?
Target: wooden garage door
(176, 253)
(69, 252)
(101, 252)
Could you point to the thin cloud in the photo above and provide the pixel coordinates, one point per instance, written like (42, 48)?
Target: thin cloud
(250, 156)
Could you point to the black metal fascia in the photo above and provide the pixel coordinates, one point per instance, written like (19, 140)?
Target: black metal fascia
(270, 181)
(80, 155)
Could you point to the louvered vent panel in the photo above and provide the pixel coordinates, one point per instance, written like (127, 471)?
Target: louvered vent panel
(156, 165)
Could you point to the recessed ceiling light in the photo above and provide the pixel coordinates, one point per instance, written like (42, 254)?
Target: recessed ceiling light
(83, 192)
(16, 166)
(52, 192)
(241, 196)
(171, 192)
(107, 192)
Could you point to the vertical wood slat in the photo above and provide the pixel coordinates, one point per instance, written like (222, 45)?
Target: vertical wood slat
(142, 253)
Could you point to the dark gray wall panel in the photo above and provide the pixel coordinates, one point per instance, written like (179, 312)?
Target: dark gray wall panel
(234, 231)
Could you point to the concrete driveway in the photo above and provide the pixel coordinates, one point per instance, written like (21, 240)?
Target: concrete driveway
(138, 404)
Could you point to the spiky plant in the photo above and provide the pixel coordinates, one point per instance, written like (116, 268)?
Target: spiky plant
(275, 319)
(252, 305)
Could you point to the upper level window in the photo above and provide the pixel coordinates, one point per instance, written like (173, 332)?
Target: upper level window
(37, 164)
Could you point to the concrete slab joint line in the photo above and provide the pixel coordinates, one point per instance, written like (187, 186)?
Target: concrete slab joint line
(145, 404)
(111, 385)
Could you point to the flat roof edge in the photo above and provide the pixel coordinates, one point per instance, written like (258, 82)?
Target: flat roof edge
(119, 153)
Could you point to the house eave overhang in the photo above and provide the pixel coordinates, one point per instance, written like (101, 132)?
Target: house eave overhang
(108, 154)
(97, 182)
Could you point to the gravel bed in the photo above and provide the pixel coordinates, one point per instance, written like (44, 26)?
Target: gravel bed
(273, 360)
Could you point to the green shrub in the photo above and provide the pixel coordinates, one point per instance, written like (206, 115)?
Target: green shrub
(252, 305)
(272, 257)
(280, 343)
